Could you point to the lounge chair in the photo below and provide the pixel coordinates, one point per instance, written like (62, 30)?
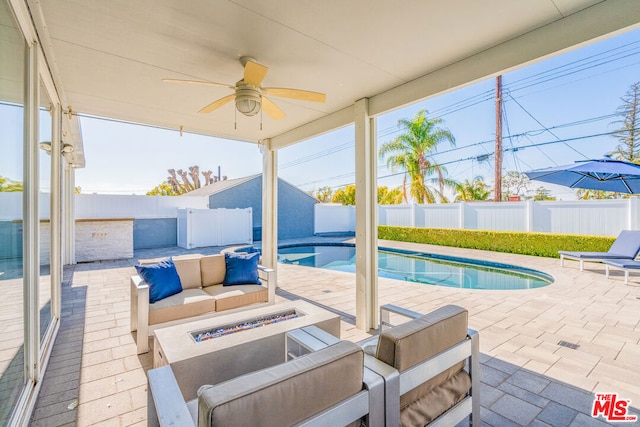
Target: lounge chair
(623, 264)
(626, 246)
(328, 386)
(423, 363)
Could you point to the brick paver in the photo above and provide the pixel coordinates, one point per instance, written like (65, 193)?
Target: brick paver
(95, 376)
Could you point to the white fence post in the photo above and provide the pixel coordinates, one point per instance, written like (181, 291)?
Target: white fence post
(413, 215)
(529, 215)
(632, 223)
(461, 215)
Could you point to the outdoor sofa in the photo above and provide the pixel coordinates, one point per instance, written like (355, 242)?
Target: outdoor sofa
(203, 294)
(625, 247)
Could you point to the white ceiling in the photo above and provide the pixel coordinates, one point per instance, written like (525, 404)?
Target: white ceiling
(109, 56)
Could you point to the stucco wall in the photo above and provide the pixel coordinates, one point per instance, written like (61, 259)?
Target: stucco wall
(295, 208)
(154, 233)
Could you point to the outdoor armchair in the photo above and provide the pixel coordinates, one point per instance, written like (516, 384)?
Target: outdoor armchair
(423, 362)
(626, 246)
(328, 386)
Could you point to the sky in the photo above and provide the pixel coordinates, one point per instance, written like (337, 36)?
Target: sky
(555, 112)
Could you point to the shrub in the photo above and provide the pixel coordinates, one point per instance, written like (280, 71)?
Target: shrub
(523, 243)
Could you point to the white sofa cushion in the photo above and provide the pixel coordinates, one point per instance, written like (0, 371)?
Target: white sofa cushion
(212, 269)
(228, 297)
(188, 268)
(188, 303)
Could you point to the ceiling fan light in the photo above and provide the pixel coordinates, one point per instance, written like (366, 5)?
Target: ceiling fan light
(248, 107)
(248, 101)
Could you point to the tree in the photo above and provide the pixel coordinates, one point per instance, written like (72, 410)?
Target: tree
(173, 186)
(412, 152)
(541, 194)
(346, 195)
(514, 184)
(474, 190)
(627, 133)
(584, 194)
(8, 185)
(388, 196)
(323, 194)
(162, 189)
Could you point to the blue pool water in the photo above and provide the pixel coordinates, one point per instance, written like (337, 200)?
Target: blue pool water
(419, 267)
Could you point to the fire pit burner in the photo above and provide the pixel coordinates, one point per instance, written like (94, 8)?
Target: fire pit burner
(200, 336)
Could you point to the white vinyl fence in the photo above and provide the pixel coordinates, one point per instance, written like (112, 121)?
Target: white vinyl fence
(106, 206)
(590, 217)
(132, 206)
(214, 227)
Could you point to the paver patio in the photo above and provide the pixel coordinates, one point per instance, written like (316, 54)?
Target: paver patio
(95, 377)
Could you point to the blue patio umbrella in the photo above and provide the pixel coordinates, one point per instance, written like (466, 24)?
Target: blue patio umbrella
(599, 174)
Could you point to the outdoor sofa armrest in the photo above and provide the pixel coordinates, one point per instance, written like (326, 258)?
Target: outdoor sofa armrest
(165, 405)
(140, 312)
(268, 277)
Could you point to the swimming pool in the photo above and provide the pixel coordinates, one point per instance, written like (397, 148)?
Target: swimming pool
(430, 269)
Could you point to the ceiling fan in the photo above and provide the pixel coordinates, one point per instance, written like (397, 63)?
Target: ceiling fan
(250, 96)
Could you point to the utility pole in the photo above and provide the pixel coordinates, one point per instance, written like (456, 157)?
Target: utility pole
(498, 154)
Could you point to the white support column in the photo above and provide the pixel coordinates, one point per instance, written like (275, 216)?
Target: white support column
(55, 231)
(70, 215)
(366, 218)
(31, 220)
(270, 212)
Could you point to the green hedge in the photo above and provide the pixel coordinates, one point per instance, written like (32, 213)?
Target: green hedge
(538, 244)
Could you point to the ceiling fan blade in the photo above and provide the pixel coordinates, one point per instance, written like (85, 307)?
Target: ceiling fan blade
(198, 82)
(304, 95)
(272, 109)
(217, 104)
(254, 73)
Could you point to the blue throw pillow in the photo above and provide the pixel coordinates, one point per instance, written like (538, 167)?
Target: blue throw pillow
(162, 278)
(242, 269)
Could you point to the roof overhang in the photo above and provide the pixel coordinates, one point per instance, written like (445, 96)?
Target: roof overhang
(108, 58)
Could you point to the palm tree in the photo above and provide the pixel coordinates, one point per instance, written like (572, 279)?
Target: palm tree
(474, 190)
(412, 151)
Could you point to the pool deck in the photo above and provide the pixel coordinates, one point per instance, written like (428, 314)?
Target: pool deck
(528, 378)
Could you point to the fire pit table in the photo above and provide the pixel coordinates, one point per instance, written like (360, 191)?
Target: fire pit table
(219, 348)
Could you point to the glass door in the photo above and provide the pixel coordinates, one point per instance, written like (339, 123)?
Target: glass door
(13, 52)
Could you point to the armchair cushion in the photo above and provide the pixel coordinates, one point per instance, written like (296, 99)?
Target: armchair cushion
(406, 345)
(432, 404)
(285, 394)
(162, 278)
(241, 269)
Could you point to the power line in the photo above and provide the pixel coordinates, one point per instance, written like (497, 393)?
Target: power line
(518, 148)
(514, 86)
(543, 126)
